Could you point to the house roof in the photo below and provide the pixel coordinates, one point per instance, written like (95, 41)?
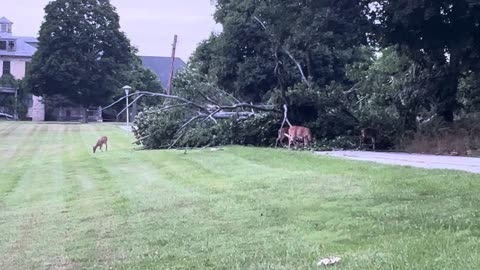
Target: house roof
(24, 47)
(161, 66)
(5, 20)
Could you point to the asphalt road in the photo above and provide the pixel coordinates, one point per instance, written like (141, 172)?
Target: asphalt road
(467, 164)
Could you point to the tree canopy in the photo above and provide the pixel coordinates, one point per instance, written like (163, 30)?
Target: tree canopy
(260, 38)
(82, 54)
(442, 35)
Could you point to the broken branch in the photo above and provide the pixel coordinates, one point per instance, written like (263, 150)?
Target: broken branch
(182, 127)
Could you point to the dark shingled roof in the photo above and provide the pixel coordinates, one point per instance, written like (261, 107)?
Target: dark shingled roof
(161, 66)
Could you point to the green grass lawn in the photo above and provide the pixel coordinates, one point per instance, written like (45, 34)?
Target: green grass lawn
(63, 207)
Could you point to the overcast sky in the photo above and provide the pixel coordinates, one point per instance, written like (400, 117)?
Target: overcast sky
(150, 24)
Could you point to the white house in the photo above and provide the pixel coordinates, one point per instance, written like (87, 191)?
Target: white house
(15, 54)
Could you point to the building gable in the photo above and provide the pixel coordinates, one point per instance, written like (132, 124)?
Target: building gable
(162, 66)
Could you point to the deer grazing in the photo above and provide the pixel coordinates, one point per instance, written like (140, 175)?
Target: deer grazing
(299, 133)
(103, 140)
(281, 136)
(368, 134)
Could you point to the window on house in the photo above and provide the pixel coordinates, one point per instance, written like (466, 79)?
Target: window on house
(4, 27)
(6, 67)
(3, 45)
(11, 45)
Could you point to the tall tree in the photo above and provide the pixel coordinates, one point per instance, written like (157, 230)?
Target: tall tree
(442, 35)
(82, 54)
(265, 44)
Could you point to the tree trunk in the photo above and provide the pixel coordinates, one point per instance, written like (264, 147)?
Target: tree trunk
(279, 73)
(448, 89)
(447, 97)
(410, 119)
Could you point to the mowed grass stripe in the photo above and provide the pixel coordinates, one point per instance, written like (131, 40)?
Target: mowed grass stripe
(17, 157)
(6, 128)
(14, 141)
(94, 199)
(34, 210)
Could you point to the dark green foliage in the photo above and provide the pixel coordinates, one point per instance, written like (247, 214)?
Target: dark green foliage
(398, 66)
(318, 34)
(251, 62)
(469, 93)
(443, 36)
(158, 127)
(162, 127)
(393, 94)
(260, 130)
(8, 80)
(8, 100)
(82, 53)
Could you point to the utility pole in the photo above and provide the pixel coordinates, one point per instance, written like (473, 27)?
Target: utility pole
(172, 71)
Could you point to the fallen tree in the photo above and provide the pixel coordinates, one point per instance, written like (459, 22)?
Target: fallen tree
(171, 121)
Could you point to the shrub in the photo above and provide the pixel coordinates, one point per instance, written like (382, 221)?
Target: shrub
(159, 130)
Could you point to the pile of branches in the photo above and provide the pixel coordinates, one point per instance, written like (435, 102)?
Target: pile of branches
(213, 109)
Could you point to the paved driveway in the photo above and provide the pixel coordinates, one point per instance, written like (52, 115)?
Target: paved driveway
(416, 160)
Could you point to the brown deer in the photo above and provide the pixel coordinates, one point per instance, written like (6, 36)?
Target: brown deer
(281, 136)
(368, 134)
(103, 140)
(299, 133)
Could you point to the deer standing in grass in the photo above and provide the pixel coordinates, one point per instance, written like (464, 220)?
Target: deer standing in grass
(299, 133)
(368, 134)
(103, 140)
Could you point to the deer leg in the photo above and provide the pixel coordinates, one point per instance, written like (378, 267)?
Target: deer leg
(279, 140)
(289, 141)
(373, 143)
(106, 146)
(297, 144)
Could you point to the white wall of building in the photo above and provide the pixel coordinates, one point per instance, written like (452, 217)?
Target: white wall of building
(17, 68)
